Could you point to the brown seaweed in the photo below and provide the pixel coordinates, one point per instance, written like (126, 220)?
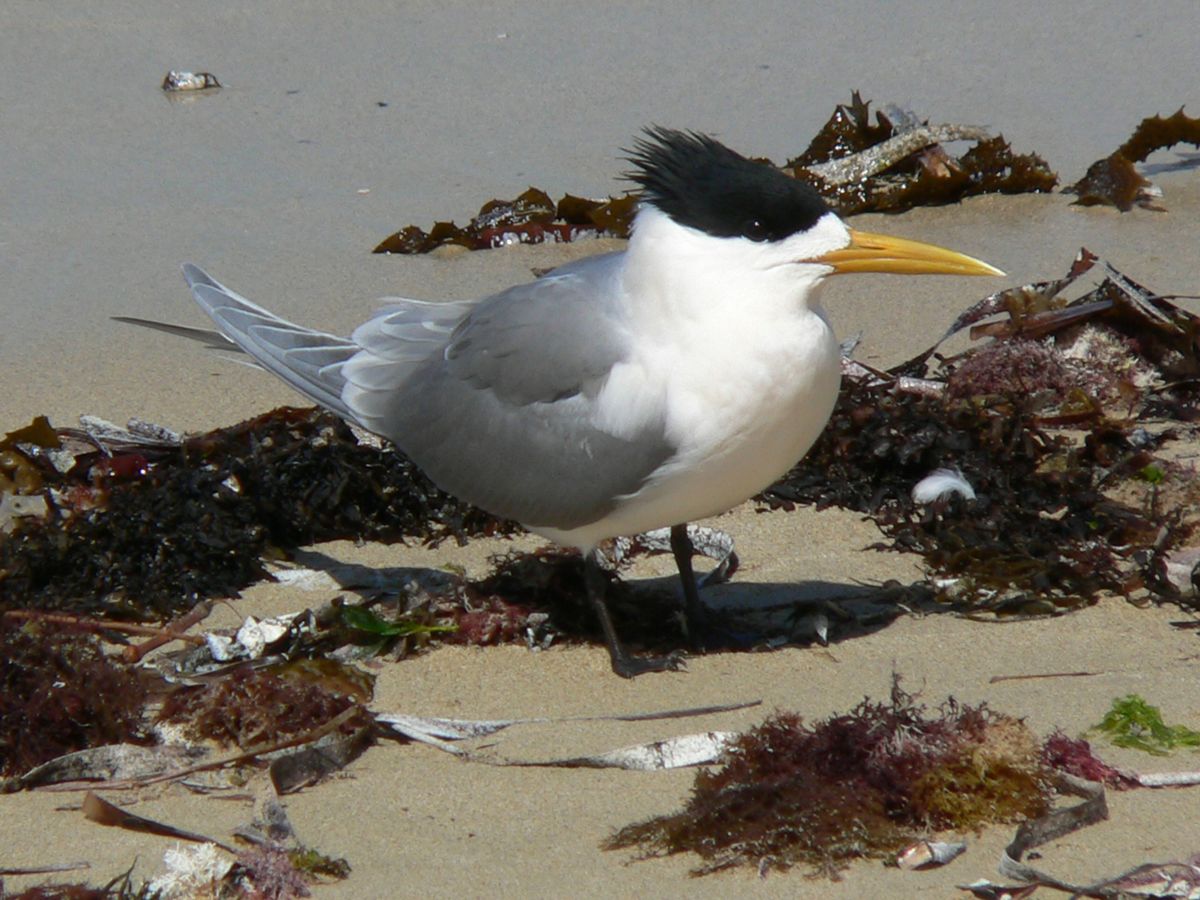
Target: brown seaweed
(927, 177)
(531, 218)
(925, 174)
(1115, 180)
(249, 707)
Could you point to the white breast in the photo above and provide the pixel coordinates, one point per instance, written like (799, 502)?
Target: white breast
(730, 349)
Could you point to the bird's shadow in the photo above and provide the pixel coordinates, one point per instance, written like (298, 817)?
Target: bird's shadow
(743, 615)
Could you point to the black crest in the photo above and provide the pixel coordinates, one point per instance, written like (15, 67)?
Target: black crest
(701, 183)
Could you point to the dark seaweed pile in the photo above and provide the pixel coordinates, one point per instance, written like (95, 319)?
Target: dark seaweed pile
(197, 521)
(1033, 540)
(1046, 435)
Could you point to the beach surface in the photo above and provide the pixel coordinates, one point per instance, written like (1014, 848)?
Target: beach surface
(335, 130)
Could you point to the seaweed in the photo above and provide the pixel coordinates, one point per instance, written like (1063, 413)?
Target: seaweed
(1115, 181)
(926, 175)
(908, 167)
(250, 707)
(1044, 423)
(1075, 756)
(531, 218)
(863, 784)
(120, 888)
(529, 596)
(1135, 724)
(60, 693)
(194, 521)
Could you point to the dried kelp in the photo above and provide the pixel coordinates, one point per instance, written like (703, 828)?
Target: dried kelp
(857, 165)
(864, 784)
(1047, 424)
(925, 175)
(60, 693)
(532, 218)
(1115, 180)
(144, 533)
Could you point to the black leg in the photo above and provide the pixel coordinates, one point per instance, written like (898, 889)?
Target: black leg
(622, 663)
(695, 614)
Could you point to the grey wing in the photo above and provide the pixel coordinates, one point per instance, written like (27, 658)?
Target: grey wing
(501, 411)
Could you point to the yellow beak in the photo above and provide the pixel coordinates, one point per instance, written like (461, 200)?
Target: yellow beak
(881, 253)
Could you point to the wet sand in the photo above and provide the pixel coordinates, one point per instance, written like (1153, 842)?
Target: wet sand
(282, 182)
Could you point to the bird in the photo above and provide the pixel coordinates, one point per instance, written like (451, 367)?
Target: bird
(638, 389)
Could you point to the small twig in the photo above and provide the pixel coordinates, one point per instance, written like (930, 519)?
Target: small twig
(45, 870)
(995, 679)
(85, 623)
(172, 631)
(884, 155)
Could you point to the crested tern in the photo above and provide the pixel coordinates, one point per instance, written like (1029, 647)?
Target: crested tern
(625, 392)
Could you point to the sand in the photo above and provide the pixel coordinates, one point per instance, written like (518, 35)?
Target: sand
(282, 182)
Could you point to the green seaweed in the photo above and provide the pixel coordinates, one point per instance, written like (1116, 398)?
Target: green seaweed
(1136, 725)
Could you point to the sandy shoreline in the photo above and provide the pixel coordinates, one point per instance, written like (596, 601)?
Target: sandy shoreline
(110, 187)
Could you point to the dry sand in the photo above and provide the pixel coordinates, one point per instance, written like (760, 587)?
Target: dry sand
(282, 182)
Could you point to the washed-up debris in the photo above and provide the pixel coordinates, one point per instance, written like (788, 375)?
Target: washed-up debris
(532, 218)
(1055, 419)
(249, 707)
(1137, 725)
(916, 170)
(220, 501)
(1115, 180)
(104, 813)
(276, 865)
(120, 888)
(192, 871)
(1036, 832)
(709, 542)
(43, 870)
(673, 753)
(864, 784)
(680, 751)
(928, 854)
(179, 80)
(856, 165)
(109, 762)
(60, 693)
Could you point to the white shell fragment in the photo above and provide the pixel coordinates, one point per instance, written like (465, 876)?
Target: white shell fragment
(251, 639)
(930, 854)
(15, 506)
(189, 81)
(941, 484)
(673, 753)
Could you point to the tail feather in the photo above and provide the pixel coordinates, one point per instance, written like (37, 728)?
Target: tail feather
(310, 361)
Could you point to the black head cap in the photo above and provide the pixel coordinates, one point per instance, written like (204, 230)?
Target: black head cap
(701, 183)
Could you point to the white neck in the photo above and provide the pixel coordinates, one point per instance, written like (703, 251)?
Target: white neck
(683, 277)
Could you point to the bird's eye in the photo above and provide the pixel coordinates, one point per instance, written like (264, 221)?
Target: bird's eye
(755, 230)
